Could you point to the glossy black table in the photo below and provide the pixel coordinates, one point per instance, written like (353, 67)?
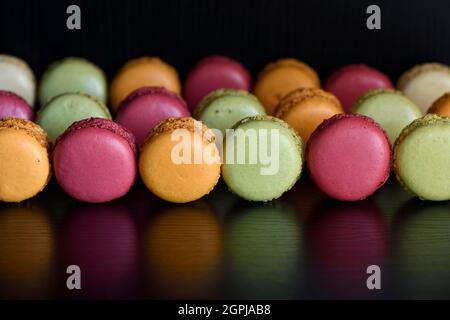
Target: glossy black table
(302, 246)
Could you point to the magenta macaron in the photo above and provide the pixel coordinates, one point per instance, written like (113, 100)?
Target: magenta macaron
(212, 73)
(12, 105)
(95, 160)
(352, 81)
(146, 107)
(349, 157)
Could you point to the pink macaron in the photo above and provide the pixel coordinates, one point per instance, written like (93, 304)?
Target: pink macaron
(349, 157)
(351, 82)
(212, 73)
(146, 107)
(95, 160)
(12, 105)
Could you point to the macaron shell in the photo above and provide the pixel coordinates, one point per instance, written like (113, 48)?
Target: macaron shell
(349, 157)
(279, 79)
(72, 75)
(146, 107)
(390, 109)
(441, 106)
(212, 73)
(63, 110)
(306, 109)
(16, 76)
(174, 182)
(24, 165)
(351, 82)
(223, 108)
(422, 158)
(247, 179)
(93, 164)
(425, 83)
(12, 105)
(143, 72)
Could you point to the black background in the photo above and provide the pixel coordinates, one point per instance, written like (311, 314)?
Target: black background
(325, 34)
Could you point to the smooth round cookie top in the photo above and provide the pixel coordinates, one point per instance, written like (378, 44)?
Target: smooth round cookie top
(349, 157)
(146, 107)
(441, 106)
(223, 108)
(422, 157)
(63, 110)
(95, 160)
(425, 83)
(305, 109)
(263, 158)
(179, 161)
(279, 78)
(71, 75)
(12, 105)
(392, 110)
(24, 159)
(352, 81)
(16, 76)
(212, 73)
(143, 72)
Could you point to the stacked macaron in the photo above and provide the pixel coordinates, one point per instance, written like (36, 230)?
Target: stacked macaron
(349, 135)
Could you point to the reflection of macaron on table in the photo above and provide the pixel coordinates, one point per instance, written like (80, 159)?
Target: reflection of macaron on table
(212, 73)
(12, 105)
(24, 159)
(16, 76)
(72, 75)
(95, 160)
(146, 107)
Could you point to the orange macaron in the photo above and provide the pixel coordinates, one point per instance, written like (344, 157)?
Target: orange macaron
(441, 106)
(143, 72)
(306, 108)
(281, 77)
(179, 160)
(24, 159)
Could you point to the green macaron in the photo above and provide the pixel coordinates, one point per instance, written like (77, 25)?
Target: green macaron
(391, 109)
(73, 74)
(63, 110)
(422, 157)
(263, 158)
(223, 108)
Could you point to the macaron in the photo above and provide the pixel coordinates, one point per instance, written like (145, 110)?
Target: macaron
(95, 160)
(145, 107)
(179, 160)
(263, 158)
(305, 108)
(279, 78)
(63, 110)
(422, 157)
(212, 73)
(223, 108)
(12, 105)
(16, 76)
(349, 157)
(424, 83)
(352, 81)
(441, 106)
(70, 75)
(392, 110)
(24, 159)
(142, 72)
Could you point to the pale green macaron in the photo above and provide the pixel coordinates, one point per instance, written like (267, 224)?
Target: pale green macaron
(391, 109)
(422, 158)
(73, 74)
(263, 158)
(223, 108)
(63, 110)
